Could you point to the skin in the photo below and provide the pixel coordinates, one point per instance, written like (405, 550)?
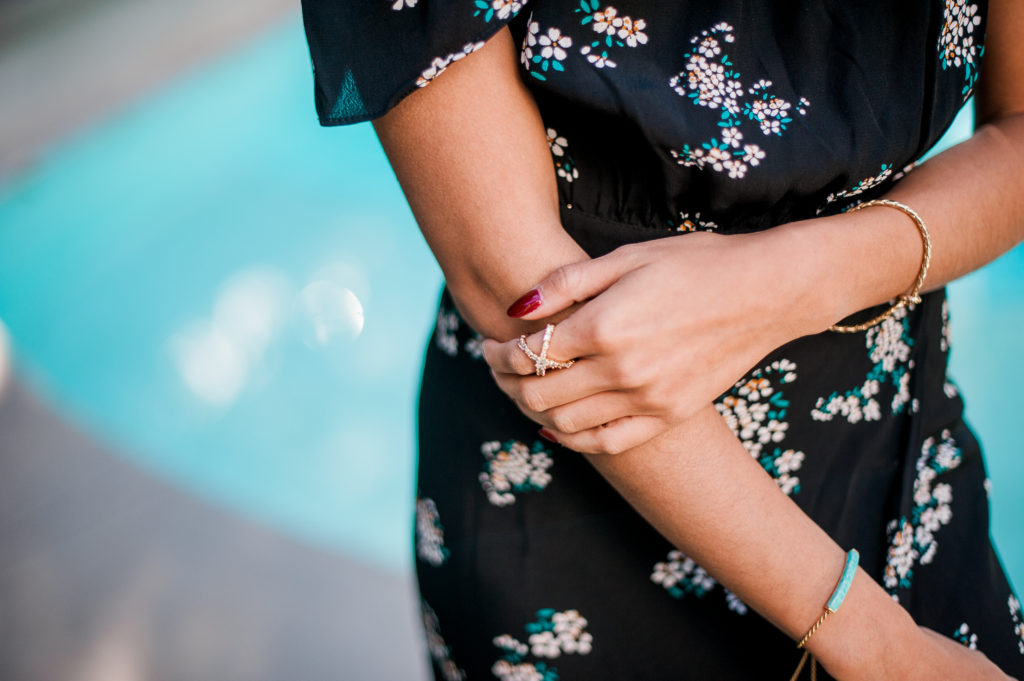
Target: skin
(471, 155)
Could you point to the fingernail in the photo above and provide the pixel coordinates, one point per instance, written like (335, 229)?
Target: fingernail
(546, 434)
(525, 305)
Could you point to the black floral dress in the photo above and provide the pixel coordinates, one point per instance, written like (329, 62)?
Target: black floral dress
(665, 118)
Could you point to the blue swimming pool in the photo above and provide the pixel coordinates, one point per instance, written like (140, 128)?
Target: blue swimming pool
(239, 300)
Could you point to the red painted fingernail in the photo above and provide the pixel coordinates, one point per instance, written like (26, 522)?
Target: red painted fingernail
(546, 434)
(525, 305)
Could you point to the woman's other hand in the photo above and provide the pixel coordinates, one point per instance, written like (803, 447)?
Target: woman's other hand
(667, 327)
(927, 657)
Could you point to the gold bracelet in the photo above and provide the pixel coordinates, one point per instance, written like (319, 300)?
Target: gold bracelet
(906, 299)
(834, 601)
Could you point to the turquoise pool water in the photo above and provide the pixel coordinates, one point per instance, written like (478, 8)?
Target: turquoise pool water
(239, 299)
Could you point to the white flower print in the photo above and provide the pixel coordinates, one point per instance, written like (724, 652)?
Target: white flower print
(912, 539)
(553, 44)
(444, 333)
(632, 32)
(709, 47)
(512, 468)
(614, 30)
(752, 154)
(755, 411)
(688, 223)
(502, 9)
(864, 185)
(543, 51)
(735, 604)
(556, 143)
(506, 8)
(599, 60)
(946, 337)
(529, 42)
(438, 649)
(949, 388)
(963, 635)
(709, 80)
(402, 4)
(606, 21)
(439, 64)
(429, 533)
(544, 644)
(680, 576)
(551, 635)
(565, 165)
(1018, 625)
(889, 345)
(732, 137)
(956, 42)
(474, 347)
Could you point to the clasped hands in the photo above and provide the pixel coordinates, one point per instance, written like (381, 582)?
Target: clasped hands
(664, 327)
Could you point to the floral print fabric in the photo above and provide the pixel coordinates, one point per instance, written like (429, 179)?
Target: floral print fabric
(664, 119)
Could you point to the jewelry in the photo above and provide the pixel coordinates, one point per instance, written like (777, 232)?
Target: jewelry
(906, 299)
(834, 601)
(541, 363)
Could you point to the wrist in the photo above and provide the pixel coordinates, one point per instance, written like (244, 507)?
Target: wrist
(871, 637)
(852, 261)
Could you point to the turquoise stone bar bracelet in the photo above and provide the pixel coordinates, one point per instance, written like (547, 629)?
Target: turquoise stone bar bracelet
(849, 570)
(842, 588)
(834, 601)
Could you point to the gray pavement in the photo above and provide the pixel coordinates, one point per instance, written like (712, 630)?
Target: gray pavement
(67, 63)
(108, 574)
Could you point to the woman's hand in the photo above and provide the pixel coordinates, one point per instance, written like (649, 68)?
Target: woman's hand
(667, 327)
(928, 656)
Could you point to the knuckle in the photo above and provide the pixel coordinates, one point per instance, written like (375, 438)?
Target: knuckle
(603, 334)
(565, 278)
(623, 375)
(564, 422)
(637, 372)
(608, 442)
(530, 397)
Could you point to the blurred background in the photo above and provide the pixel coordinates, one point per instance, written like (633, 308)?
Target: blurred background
(212, 315)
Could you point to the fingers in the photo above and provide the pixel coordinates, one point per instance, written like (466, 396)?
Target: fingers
(554, 389)
(572, 338)
(591, 412)
(612, 438)
(572, 284)
(508, 358)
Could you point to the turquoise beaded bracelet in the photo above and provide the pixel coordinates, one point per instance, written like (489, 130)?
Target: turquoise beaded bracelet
(834, 601)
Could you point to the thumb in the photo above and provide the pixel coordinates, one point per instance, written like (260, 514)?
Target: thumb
(570, 284)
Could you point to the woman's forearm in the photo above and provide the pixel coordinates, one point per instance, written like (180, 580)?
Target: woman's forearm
(969, 196)
(470, 154)
(702, 490)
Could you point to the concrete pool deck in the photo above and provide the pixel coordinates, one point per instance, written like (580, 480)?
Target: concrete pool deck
(73, 62)
(108, 574)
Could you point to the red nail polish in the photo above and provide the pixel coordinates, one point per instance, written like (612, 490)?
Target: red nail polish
(546, 434)
(525, 305)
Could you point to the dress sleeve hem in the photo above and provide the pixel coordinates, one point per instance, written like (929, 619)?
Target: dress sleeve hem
(328, 121)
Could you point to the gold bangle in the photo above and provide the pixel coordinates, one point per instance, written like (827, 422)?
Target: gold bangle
(906, 299)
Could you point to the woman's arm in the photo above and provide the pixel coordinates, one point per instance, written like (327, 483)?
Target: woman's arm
(739, 304)
(470, 154)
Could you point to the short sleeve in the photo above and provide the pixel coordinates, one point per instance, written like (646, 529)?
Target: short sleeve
(369, 54)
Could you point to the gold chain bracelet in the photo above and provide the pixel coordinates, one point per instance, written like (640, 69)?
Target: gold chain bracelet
(914, 296)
